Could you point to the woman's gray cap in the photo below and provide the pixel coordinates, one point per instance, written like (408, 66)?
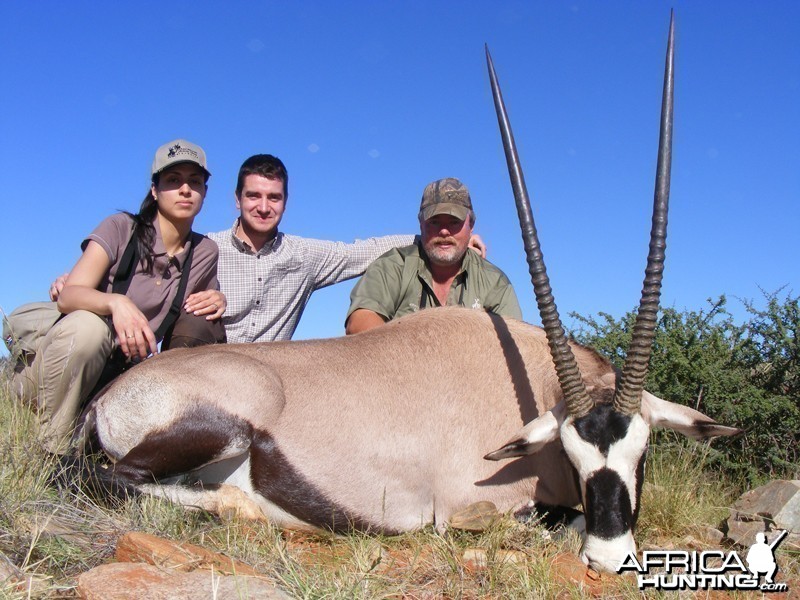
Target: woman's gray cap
(445, 197)
(179, 151)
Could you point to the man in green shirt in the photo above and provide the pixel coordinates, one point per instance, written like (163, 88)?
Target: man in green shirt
(436, 270)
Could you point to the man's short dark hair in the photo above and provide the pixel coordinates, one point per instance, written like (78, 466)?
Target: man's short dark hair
(264, 165)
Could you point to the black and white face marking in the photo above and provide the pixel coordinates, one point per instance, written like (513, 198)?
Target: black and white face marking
(608, 450)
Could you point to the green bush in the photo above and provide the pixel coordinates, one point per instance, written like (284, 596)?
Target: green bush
(746, 375)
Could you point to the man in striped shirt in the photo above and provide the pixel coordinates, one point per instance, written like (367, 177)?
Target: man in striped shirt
(268, 276)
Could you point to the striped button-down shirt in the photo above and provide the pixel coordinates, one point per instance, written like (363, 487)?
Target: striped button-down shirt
(268, 290)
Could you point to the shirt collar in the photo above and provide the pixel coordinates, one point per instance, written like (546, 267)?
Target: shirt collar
(159, 250)
(272, 246)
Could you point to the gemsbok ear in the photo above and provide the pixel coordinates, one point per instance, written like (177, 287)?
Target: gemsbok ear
(533, 436)
(691, 423)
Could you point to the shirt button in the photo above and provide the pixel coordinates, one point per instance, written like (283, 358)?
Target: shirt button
(258, 302)
(259, 278)
(158, 282)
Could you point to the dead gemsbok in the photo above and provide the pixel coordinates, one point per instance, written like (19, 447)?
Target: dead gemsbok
(387, 431)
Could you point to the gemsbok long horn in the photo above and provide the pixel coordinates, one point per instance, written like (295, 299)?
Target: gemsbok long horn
(575, 395)
(628, 396)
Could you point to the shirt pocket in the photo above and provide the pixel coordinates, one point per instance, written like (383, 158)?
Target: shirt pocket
(279, 284)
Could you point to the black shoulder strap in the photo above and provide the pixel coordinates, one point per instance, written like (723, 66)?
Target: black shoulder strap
(165, 328)
(127, 267)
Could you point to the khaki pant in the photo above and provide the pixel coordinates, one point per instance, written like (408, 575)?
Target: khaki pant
(66, 367)
(70, 360)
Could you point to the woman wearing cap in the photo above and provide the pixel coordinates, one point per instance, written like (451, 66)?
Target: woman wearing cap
(147, 254)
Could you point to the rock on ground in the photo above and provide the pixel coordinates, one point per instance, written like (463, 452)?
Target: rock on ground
(123, 581)
(155, 568)
(769, 508)
(136, 546)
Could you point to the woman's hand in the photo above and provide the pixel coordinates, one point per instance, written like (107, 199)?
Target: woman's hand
(211, 303)
(134, 336)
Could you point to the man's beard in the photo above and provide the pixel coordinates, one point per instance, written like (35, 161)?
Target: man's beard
(444, 256)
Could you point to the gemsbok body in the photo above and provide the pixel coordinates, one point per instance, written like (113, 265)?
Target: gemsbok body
(389, 430)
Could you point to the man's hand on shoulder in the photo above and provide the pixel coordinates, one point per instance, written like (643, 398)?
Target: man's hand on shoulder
(477, 244)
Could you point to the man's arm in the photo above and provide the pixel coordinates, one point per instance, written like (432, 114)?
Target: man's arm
(336, 261)
(362, 319)
(332, 262)
(373, 300)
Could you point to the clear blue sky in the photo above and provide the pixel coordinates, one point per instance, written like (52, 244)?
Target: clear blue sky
(366, 102)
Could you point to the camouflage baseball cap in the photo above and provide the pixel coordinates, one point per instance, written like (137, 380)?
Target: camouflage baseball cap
(445, 197)
(179, 151)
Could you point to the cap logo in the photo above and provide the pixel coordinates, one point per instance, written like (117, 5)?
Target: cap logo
(177, 150)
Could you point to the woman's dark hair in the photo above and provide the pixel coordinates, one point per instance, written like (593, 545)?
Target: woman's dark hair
(143, 229)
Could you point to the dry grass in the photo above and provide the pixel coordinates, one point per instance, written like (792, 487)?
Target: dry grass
(54, 536)
(679, 495)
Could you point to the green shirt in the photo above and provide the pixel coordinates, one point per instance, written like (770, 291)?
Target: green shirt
(400, 282)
